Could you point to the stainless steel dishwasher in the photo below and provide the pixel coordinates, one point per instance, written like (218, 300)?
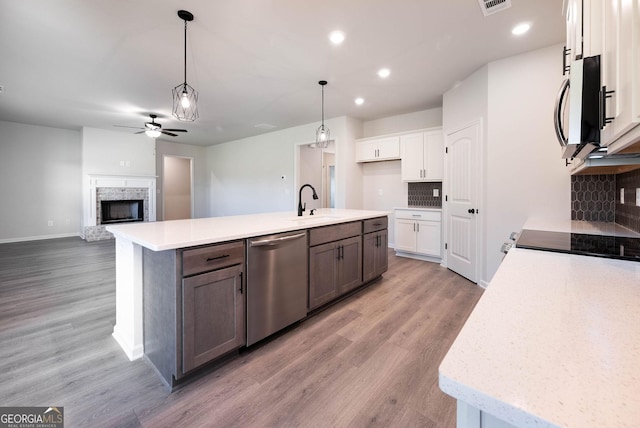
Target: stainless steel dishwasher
(277, 287)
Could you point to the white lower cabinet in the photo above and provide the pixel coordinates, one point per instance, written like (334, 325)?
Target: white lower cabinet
(418, 233)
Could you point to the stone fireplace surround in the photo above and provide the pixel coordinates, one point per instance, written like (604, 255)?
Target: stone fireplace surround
(115, 188)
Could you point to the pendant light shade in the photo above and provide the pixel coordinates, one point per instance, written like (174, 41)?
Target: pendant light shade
(185, 98)
(323, 135)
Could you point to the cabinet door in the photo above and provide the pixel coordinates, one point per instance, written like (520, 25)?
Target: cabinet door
(366, 150)
(574, 29)
(388, 148)
(428, 238)
(323, 285)
(434, 156)
(619, 52)
(405, 235)
(375, 259)
(349, 264)
(412, 157)
(212, 316)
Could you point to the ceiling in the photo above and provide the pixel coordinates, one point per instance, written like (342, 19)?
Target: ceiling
(99, 63)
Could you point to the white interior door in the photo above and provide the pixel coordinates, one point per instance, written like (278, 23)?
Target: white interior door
(462, 201)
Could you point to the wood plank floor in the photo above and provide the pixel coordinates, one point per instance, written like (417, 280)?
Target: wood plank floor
(370, 360)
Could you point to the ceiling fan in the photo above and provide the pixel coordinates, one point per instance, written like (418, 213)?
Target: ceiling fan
(153, 129)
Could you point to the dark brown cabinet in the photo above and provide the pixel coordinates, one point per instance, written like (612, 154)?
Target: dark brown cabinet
(374, 255)
(212, 316)
(194, 306)
(334, 267)
(374, 248)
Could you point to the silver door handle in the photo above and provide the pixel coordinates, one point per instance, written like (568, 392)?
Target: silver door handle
(557, 114)
(275, 241)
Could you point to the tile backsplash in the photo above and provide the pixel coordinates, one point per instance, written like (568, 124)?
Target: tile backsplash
(628, 213)
(593, 197)
(421, 195)
(598, 198)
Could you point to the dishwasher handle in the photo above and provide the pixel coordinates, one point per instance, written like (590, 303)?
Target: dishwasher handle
(275, 241)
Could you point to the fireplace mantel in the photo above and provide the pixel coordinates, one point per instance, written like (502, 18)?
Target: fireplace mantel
(94, 182)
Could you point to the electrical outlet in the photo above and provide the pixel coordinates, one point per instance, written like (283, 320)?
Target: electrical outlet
(121, 163)
(436, 193)
(50, 223)
(1, 89)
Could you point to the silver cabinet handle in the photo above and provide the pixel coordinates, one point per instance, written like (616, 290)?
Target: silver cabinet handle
(557, 116)
(275, 241)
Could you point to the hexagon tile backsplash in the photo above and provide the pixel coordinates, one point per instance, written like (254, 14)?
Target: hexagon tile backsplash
(598, 198)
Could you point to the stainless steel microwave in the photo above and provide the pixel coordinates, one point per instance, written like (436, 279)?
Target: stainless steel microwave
(577, 110)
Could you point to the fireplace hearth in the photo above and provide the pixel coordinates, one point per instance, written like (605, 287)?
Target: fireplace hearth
(123, 211)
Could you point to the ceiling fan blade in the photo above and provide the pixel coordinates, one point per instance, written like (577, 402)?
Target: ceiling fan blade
(164, 131)
(123, 126)
(140, 132)
(176, 130)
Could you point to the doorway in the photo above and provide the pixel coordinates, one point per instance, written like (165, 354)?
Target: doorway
(316, 167)
(177, 188)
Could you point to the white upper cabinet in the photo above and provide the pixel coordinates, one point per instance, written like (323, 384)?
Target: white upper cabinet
(620, 73)
(422, 155)
(584, 29)
(378, 149)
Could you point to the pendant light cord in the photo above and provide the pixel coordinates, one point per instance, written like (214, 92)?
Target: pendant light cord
(323, 106)
(185, 53)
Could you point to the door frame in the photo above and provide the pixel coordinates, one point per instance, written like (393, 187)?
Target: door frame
(296, 172)
(162, 177)
(480, 195)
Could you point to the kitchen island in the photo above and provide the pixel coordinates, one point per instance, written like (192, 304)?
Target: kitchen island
(553, 342)
(131, 239)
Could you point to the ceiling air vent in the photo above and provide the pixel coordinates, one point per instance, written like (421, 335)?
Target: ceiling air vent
(489, 7)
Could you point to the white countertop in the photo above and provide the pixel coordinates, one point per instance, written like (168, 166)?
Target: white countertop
(554, 341)
(575, 226)
(168, 235)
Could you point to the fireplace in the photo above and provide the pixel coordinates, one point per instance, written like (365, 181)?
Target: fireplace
(117, 199)
(122, 211)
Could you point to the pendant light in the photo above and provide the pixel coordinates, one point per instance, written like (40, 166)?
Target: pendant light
(185, 98)
(323, 135)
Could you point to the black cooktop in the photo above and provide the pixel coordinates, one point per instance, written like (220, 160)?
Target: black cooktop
(613, 247)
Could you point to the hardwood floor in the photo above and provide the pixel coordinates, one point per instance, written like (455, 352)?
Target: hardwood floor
(370, 360)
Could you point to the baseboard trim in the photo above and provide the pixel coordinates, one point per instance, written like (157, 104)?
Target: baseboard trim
(38, 238)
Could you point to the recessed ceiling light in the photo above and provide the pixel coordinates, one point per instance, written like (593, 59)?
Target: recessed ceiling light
(384, 72)
(336, 37)
(359, 101)
(520, 29)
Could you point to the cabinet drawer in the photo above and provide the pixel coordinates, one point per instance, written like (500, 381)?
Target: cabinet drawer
(419, 215)
(375, 224)
(212, 257)
(321, 235)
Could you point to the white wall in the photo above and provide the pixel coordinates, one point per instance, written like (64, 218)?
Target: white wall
(385, 176)
(245, 175)
(117, 153)
(40, 182)
(525, 175)
(404, 122)
(200, 174)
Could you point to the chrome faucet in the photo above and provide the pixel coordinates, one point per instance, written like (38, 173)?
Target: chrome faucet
(301, 208)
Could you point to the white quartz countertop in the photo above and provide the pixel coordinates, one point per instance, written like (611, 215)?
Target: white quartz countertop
(575, 226)
(554, 341)
(168, 235)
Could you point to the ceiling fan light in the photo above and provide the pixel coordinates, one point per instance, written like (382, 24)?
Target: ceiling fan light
(153, 133)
